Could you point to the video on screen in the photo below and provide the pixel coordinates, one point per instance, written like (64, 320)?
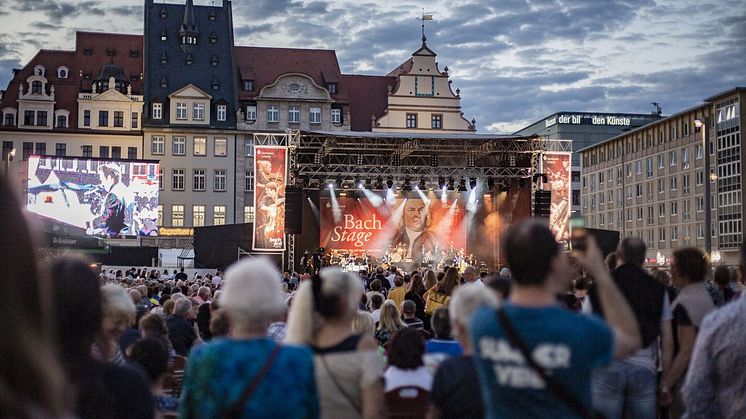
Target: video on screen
(103, 197)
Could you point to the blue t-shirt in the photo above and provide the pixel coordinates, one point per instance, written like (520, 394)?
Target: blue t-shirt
(218, 372)
(448, 347)
(569, 345)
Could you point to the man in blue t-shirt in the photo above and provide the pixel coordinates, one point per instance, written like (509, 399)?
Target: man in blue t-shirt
(567, 345)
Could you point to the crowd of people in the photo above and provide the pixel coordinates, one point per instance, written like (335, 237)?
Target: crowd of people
(553, 334)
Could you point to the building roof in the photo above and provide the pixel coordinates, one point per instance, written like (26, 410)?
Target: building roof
(264, 65)
(93, 50)
(368, 98)
(630, 115)
(441, 136)
(717, 96)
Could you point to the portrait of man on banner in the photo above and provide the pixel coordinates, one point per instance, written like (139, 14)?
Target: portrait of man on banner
(414, 235)
(269, 198)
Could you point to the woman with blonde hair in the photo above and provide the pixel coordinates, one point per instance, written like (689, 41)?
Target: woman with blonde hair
(118, 315)
(348, 367)
(363, 323)
(430, 281)
(390, 322)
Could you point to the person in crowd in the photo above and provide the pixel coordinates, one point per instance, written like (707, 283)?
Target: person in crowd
(500, 285)
(430, 280)
(389, 323)
(182, 332)
(153, 325)
(118, 316)
(248, 374)
(455, 392)
(398, 292)
(568, 346)
(582, 287)
(104, 389)
(348, 367)
(630, 384)
(407, 373)
(32, 379)
(375, 301)
(362, 323)
(415, 290)
(442, 345)
(409, 311)
(722, 281)
(472, 277)
(220, 326)
(688, 269)
(168, 307)
(151, 354)
(715, 381)
(202, 319)
(440, 294)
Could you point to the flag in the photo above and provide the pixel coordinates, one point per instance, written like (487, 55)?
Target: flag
(427, 17)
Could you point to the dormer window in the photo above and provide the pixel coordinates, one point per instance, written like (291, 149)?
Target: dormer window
(164, 58)
(189, 40)
(214, 61)
(188, 59)
(213, 38)
(36, 87)
(39, 70)
(62, 73)
(163, 35)
(332, 88)
(215, 84)
(134, 53)
(88, 51)
(164, 83)
(212, 15)
(248, 85)
(163, 13)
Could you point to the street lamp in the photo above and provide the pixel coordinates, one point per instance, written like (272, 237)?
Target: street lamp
(704, 125)
(11, 153)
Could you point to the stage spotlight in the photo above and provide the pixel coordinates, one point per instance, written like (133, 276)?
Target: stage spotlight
(389, 183)
(331, 185)
(441, 182)
(360, 159)
(471, 160)
(472, 183)
(360, 184)
(433, 160)
(462, 185)
(396, 160)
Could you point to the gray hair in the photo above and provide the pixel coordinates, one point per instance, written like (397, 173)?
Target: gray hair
(251, 296)
(115, 301)
(466, 300)
(182, 307)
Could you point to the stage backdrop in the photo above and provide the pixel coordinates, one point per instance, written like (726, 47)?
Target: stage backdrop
(358, 225)
(270, 169)
(557, 167)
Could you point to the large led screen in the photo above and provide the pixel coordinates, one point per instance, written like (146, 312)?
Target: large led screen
(104, 197)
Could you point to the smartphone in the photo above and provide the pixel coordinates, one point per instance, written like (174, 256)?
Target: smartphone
(578, 234)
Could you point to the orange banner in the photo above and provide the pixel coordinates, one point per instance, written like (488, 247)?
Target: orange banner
(270, 168)
(557, 168)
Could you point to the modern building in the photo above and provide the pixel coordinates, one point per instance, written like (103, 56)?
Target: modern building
(86, 102)
(585, 129)
(650, 182)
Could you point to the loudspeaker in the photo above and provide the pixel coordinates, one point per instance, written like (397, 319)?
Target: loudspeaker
(293, 210)
(542, 203)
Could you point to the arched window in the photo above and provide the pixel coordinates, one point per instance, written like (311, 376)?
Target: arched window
(62, 73)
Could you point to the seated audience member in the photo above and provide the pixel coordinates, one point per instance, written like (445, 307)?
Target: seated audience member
(248, 374)
(455, 391)
(181, 330)
(442, 345)
(119, 315)
(348, 366)
(220, 326)
(151, 354)
(104, 390)
(389, 324)
(32, 381)
(409, 310)
(406, 368)
(153, 325)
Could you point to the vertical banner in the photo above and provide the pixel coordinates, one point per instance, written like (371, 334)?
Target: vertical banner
(270, 168)
(557, 168)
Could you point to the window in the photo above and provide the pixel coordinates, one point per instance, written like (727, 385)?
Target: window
(41, 118)
(218, 212)
(221, 147)
(177, 215)
(103, 118)
(251, 113)
(28, 150)
(36, 87)
(177, 179)
(700, 177)
(86, 118)
(638, 165)
(649, 164)
(315, 115)
(660, 162)
(248, 145)
(60, 150)
(662, 234)
(674, 208)
(411, 120)
(332, 88)
(198, 180)
(198, 213)
(116, 152)
(62, 73)
(674, 183)
(135, 118)
(628, 169)
(198, 111)
(639, 190)
(178, 146)
(160, 178)
(118, 119)
(685, 184)
(61, 121)
(672, 158)
(698, 151)
(437, 121)
(181, 110)
(222, 112)
(674, 233)
(661, 185)
(248, 85)
(10, 119)
(685, 157)
(103, 151)
(661, 210)
(87, 150)
(337, 116)
(41, 149)
(157, 110)
(700, 231)
(294, 114)
(219, 180)
(273, 113)
(132, 153)
(248, 214)
(248, 181)
(157, 144)
(200, 146)
(29, 117)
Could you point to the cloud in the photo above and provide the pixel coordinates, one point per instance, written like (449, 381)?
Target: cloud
(58, 10)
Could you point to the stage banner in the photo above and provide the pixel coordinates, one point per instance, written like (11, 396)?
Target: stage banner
(270, 169)
(557, 168)
(412, 229)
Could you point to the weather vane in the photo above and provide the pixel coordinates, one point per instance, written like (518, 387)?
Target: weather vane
(428, 16)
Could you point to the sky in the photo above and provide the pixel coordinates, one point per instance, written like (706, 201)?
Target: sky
(515, 61)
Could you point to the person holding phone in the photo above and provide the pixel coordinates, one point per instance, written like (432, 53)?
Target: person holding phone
(533, 357)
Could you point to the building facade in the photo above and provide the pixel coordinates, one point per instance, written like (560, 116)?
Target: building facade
(650, 182)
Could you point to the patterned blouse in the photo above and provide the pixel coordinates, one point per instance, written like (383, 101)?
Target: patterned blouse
(218, 372)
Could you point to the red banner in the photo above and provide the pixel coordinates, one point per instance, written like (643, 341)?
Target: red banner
(557, 168)
(270, 168)
(412, 229)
